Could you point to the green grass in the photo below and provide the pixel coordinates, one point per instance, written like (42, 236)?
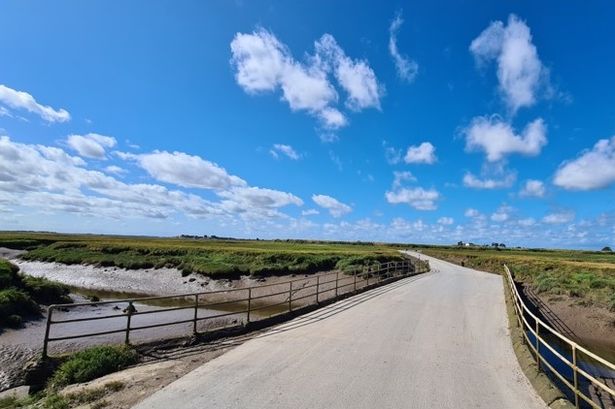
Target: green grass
(20, 295)
(216, 258)
(586, 275)
(93, 363)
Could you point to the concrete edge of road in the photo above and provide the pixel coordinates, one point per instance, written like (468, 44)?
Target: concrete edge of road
(546, 389)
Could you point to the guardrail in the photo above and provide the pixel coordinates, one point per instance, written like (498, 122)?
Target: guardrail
(284, 298)
(540, 345)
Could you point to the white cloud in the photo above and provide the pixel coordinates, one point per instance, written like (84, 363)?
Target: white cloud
(22, 100)
(471, 213)
(187, 170)
(400, 177)
(593, 169)
(528, 222)
(242, 199)
(264, 64)
(115, 170)
(407, 69)
(334, 206)
(446, 221)
(469, 180)
(502, 214)
(498, 139)
(533, 188)
(92, 145)
(559, 217)
(419, 198)
(287, 150)
(521, 74)
(424, 153)
(310, 212)
(356, 77)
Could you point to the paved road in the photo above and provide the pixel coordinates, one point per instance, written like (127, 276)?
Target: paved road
(435, 341)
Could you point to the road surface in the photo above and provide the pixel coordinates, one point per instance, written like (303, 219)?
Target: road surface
(439, 340)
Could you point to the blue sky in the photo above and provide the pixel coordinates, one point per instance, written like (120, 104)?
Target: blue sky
(410, 122)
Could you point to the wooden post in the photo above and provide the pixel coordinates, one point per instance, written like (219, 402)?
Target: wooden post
(129, 311)
(537, 344)
(47, 328)
(249, 302)
(290, 296)
(196, 312)
(575, 376)
(355, 281)
(337, 279)
(368, 271)
(317, 288)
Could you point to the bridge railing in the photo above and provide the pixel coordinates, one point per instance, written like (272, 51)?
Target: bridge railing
(564, 358)
(205, 312)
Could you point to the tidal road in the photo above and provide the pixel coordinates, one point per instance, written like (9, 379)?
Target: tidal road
(439, 340)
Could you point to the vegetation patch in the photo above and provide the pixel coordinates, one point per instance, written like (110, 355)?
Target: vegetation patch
(93, 363)
(20, 295)
(586, 275)
(218, 258)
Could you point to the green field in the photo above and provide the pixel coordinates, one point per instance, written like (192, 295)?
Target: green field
(212, 257)
(588, 276)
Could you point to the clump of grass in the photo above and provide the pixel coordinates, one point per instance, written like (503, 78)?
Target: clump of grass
(20, 295)
(93, 363)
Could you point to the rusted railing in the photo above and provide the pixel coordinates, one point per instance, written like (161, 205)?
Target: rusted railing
(326, 287)
(540, 344)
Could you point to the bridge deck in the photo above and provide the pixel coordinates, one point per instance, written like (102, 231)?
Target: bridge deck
(435, 341)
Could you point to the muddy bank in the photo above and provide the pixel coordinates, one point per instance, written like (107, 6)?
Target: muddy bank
(590, 326)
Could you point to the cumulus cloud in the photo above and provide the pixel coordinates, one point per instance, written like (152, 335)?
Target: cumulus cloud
(521, 74)
(115, 170)
(498, 139)
(424, 153)
(533, 188)
(502, 214)
(187, 170)
(470, 180)
(559, 217)
(592, 169)
(22, 100)
(418, 198)
(49, 179)
(407, 69)
(264, 64)
(471, 213)
(286, 150)
(334, 206)
(310, 212)
(401, 177)
(446, 221)
(92, 145)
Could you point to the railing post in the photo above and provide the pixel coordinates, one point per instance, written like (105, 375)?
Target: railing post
(575, 376)
(317, 288)
(196, 312)
(368, 271)
(290, 296)
(537, 343)
(337, 279)
(47, 328)
(249, 302)
(129, 311)
(355, 281)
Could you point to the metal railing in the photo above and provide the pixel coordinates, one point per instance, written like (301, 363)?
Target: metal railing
(283, 297)
(576, 375)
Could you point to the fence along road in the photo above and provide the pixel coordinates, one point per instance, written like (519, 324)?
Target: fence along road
(438, 340)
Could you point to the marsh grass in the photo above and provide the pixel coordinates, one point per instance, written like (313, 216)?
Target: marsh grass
(588, 276)
(216, 258)
(20, 295)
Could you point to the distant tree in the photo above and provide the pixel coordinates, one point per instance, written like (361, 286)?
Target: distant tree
(503, 245)
(607, 249)
(460, 243)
